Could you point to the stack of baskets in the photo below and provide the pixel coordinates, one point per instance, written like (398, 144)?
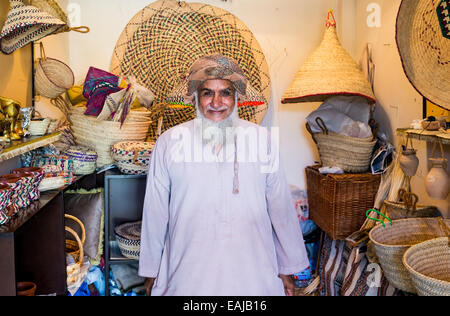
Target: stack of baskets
(128, 236)
(351, 154)
(101, 135)
(412, 254)
(84, 159)
(132, 157)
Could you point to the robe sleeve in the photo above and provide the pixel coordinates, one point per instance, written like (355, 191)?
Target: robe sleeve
(155, 213)
(288, 238)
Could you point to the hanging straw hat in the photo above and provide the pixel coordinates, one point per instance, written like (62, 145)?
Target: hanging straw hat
(330, 70)
(25, 24)
(161, 42)
(53, 8)
(423, 40)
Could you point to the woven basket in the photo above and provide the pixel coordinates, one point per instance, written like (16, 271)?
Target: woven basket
(351, 154)
(39, 127)
(102, 135)
(398, 210)
(52, 77)
(338, 202)
(51, 183)
(391, 242)
(38, 175)
(126, 151)
(128, 167)
(74, 271)
(428, 265)
(84, 159)
(128, 238)
(72, 246)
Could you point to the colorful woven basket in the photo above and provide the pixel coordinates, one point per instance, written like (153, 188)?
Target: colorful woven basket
(160, 43)
(38, 174)
(84, 159)
(128, 236)
(5, 195)
(126, 151)
(18, 199)
(25, 24)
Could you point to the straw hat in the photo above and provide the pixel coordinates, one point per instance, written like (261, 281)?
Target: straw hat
(161, 42)
(52, 7)
(330, 70)
(423, 40)
(25, 24)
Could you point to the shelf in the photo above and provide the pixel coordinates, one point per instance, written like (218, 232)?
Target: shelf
(428, 136)
(18, 147)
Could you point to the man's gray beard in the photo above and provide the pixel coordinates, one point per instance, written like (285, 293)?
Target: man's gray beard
(216, 133)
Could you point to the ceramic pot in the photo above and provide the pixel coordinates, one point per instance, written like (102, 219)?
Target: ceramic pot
(437, 181)
(26, 288)
(409, 162)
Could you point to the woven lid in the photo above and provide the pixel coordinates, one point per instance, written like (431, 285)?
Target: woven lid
(328, 71)
(25, 24)
(162, 41)
(131, 231)
(423, 41)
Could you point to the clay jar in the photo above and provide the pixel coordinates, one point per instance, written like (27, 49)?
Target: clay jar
(437, 182)
(409, 162)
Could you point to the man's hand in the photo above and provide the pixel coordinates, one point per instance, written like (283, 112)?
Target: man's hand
(148, 285)
(288, 284)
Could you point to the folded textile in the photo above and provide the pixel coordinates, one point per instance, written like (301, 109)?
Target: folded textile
(126, 276)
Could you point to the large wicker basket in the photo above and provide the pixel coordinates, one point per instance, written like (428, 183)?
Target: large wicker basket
(391, 242)
(338, 202)
(428, 265)
(101, 135)
(351, 154)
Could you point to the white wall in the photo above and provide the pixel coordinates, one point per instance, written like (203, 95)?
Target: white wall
(287, 30)
(398, 102)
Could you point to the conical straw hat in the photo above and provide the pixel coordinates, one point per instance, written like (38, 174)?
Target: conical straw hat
(25, 24)
(423, 40)
(330, 70)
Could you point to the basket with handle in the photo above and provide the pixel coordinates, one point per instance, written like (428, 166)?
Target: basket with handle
(408, 207)
(73, 246)
(392, 241)
(351, 154)
(74, 271)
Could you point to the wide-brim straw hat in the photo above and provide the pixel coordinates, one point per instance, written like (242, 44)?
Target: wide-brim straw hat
(423, 41)
(25, 24)
(328, 71)
(162, 41)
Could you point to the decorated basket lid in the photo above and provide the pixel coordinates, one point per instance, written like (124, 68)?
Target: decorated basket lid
(81, 153)
(130, 231)
(131, 150)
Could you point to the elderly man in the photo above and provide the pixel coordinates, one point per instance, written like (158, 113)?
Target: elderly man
(217, 221)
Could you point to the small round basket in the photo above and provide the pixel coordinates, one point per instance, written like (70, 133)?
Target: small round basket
(128, 236)
(391, 242)
(129, 150)
(428, 264)
(39, 127)
(84, 159)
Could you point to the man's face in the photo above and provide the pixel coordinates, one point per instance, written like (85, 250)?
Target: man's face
(216, 99)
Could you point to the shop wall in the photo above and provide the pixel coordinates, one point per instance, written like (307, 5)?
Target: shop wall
(287, 30)
(398, 102)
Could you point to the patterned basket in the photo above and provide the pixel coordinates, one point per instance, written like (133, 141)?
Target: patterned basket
(52, 183)
(84, 159)
(130, 167)
(5, 194)
(18, 186)
(128, 238)
(128, 151)
(38, 176)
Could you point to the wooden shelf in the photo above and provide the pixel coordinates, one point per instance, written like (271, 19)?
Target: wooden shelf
(428, 136)
(18, 147)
